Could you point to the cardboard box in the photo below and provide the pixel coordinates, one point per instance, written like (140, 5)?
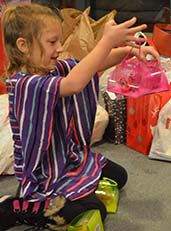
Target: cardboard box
(87, 221)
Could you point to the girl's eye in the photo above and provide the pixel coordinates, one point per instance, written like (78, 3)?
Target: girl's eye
(52, 42)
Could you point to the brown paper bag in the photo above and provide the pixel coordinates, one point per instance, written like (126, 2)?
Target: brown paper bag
(71, 19)
(98, 26)
(81, 41)
(81, 32)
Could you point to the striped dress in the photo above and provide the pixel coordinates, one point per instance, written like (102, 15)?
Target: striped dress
(52, 135)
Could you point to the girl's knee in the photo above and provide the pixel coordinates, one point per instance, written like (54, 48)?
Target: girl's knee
(102, 209)
(93, 202)
(123, 178)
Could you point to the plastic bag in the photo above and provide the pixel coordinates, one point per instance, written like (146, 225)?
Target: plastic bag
(161, 144)
(100, 124)
(135, 78)
(108, 192)
(6, 142)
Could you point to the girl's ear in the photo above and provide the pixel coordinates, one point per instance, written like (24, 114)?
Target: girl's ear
(22, 45)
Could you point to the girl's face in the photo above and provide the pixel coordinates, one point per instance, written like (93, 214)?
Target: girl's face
(51, 43)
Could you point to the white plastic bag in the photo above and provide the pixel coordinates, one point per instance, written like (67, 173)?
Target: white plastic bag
(100, 124)
(6, 142)
(161, 144)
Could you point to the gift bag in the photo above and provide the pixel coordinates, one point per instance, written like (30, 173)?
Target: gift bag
(161, 144)
(135, 78)
(2, 54)
(87, 221)
(2, 88)
(100, 124)
(142, 116)
(108, 192)
(6, 142)
(162, 38)
(116, 108)
(81, 32)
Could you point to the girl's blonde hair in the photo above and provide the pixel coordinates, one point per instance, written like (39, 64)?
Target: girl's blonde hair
(24, 21)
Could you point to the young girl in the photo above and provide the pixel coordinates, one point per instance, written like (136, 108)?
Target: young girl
(52, 106)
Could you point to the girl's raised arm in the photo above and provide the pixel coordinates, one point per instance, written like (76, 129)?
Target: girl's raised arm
(113, 36)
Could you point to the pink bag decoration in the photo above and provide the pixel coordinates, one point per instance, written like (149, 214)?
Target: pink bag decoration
(135, 78)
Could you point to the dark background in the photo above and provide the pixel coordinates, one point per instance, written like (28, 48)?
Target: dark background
(146, 11)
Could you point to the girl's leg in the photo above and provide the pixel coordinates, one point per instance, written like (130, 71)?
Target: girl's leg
(23, 212)
(74, 208)
(7, 217)
(115, 172)
(110, 170)
(78, 206)
(71, 209)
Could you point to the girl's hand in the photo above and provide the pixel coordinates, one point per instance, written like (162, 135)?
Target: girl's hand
(120, 34)
(143, 51)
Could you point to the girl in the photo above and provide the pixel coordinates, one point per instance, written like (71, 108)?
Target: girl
(52, 107)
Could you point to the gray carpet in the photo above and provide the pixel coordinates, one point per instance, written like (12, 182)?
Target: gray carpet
(144, 202)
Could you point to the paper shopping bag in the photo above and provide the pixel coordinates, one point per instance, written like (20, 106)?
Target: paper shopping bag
(2, 88)
(81, 32)
(162, 38)
(161, 144)
(116, 108)
(3, 60)
(142, 116)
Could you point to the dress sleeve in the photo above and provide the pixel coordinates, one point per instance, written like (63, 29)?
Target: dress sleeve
(35, 100)
(63, 67)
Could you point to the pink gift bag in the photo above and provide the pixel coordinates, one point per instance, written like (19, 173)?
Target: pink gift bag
(135, 78)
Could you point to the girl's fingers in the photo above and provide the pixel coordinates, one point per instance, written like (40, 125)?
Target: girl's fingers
(153, 52)
(143, 58)
(136, 29)
(132, 44)
(128, 23)
(132, 38)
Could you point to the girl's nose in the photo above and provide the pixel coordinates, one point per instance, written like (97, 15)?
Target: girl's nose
(59, 48)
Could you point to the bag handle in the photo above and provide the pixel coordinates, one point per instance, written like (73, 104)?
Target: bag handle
(109, 181)
(137, 35)
(129, 54)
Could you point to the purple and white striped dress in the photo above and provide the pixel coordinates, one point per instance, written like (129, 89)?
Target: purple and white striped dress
(52, 135)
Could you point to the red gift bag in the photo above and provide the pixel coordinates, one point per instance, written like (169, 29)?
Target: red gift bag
(2, 88)
(142, 116)
(162, 38)
(2, 53)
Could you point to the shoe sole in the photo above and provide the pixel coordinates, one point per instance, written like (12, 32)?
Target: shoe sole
(3, 198)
